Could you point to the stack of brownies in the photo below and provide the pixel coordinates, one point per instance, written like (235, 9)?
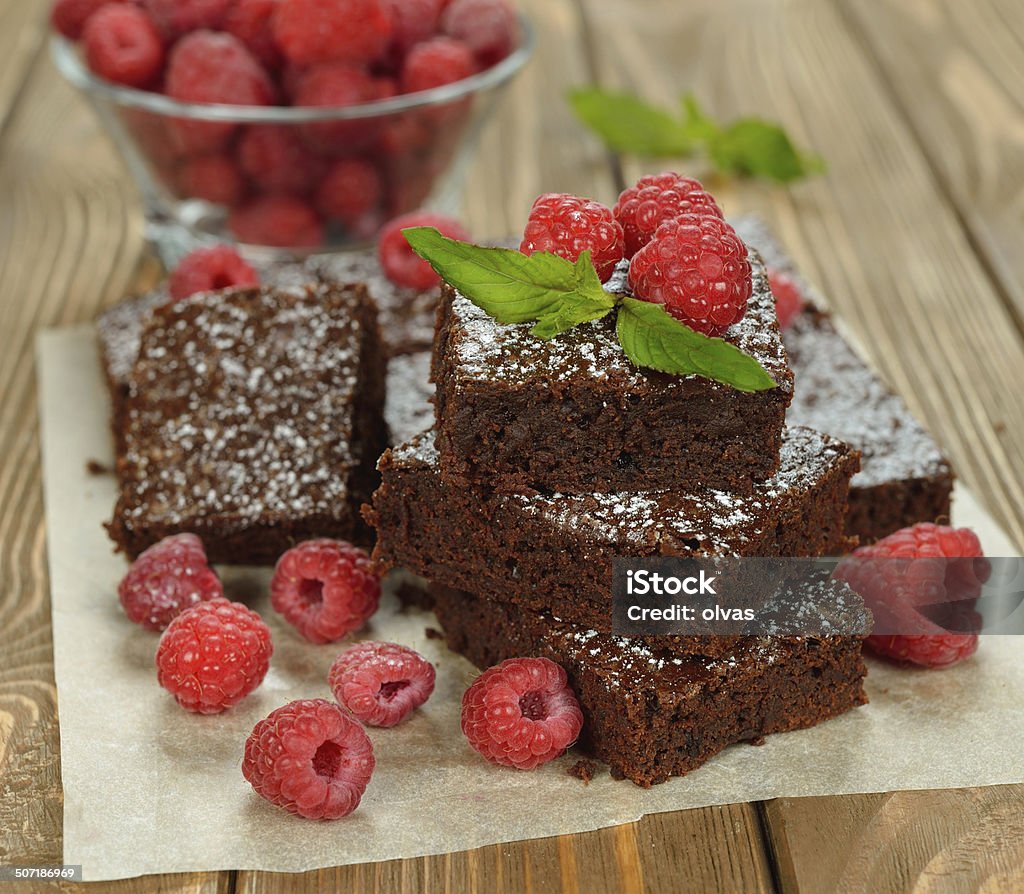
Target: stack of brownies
(549, 459)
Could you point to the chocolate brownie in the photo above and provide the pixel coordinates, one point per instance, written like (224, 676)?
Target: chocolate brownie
(651, 713)
(554, 551)
(254, 419)
(904, 477)
(574, 415)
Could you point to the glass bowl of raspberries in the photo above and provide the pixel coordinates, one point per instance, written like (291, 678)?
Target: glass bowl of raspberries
(290, 126)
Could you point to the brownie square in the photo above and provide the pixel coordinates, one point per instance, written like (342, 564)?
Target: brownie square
(904, 476)
(651, 713)
(574, 415)
(554, 552)
(254, 419)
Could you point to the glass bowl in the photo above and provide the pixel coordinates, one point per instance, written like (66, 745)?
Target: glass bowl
(380, 159)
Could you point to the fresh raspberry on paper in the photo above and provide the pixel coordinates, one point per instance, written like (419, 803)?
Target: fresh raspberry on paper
(655, 198)
(489, 27)
(210, 269)
(314, 31)
(69, 16)
(213, 178)
(400, 263)
(213, 655)
(521, 713)
(166, 579)
(325, 589)
(350, 189)
(275, 159)
(921, 584)
(278, 220)
(569, 225)
(121, 44)
(311, 758)
(251, 22)
(789, 300)
(697, 267)
(435, 63)
(177, 17)
(381, 683)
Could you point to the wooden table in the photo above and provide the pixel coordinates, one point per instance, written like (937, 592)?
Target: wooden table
(915, 235)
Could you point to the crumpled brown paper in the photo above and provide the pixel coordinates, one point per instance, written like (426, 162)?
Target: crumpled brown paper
(134, 762)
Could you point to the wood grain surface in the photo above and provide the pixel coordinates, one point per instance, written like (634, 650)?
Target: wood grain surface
(914, 234)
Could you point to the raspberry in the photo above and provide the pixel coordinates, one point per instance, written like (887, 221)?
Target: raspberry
(177, 17)
(568, 225)
(381, 683)
(214, 178)
(337, 85)
(213, 655)
(789, 300)
(926, 566)
(400, 263)
(250, 21)
(314, 31)
(210, 269)
(325, 589)
(122, 45)
(697, 267)
(209, 67)
(435, 63)
(166, 579)
(310, 758)
(69, 16)
(489, 27)
(277, 220)
(642, 208)
(350, 189)
(521, 713)
(413, 21)
(276, 160)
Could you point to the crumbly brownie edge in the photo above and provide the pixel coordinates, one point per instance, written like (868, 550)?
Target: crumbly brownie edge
(879, 510)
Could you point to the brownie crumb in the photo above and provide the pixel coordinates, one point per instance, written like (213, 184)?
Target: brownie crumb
(583, 769)
(95, 468)
(433, 633)
(757, 740)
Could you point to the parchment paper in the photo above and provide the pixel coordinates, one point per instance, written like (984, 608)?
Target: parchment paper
(135, 764)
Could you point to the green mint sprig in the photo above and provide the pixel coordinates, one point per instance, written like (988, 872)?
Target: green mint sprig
(557, 295)
(747, 147)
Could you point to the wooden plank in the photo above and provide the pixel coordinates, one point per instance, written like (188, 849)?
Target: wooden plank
(22, 33)
(969, 60)
(882, 240)
(902, 841)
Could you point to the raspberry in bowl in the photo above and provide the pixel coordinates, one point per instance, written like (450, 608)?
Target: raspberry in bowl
(291, 127)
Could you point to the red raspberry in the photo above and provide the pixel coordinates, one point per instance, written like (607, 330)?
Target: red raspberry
(568, 225)
(435, 63)
(209, 67)
(924, 565)
(698, 268)
(413, 21)
(278, 220)
(350, 189)
(166, 579)
(177, 17)
(643, 208)
(213, 655)
(122, 45)
(314, 31)
(400, 263)
(789, 300)
(381, 683)
(210, 269)
(69, 16)
(337, 85)
(276, 160)
(325, 589)
(310, 758)
(489, 27)
(521, 713)
(251, 22)
(213, 178)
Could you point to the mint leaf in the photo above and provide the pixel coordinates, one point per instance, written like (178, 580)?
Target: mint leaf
(755, 148)
(628, 124)
(652, 338)
(517, 288)
(699, 127)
